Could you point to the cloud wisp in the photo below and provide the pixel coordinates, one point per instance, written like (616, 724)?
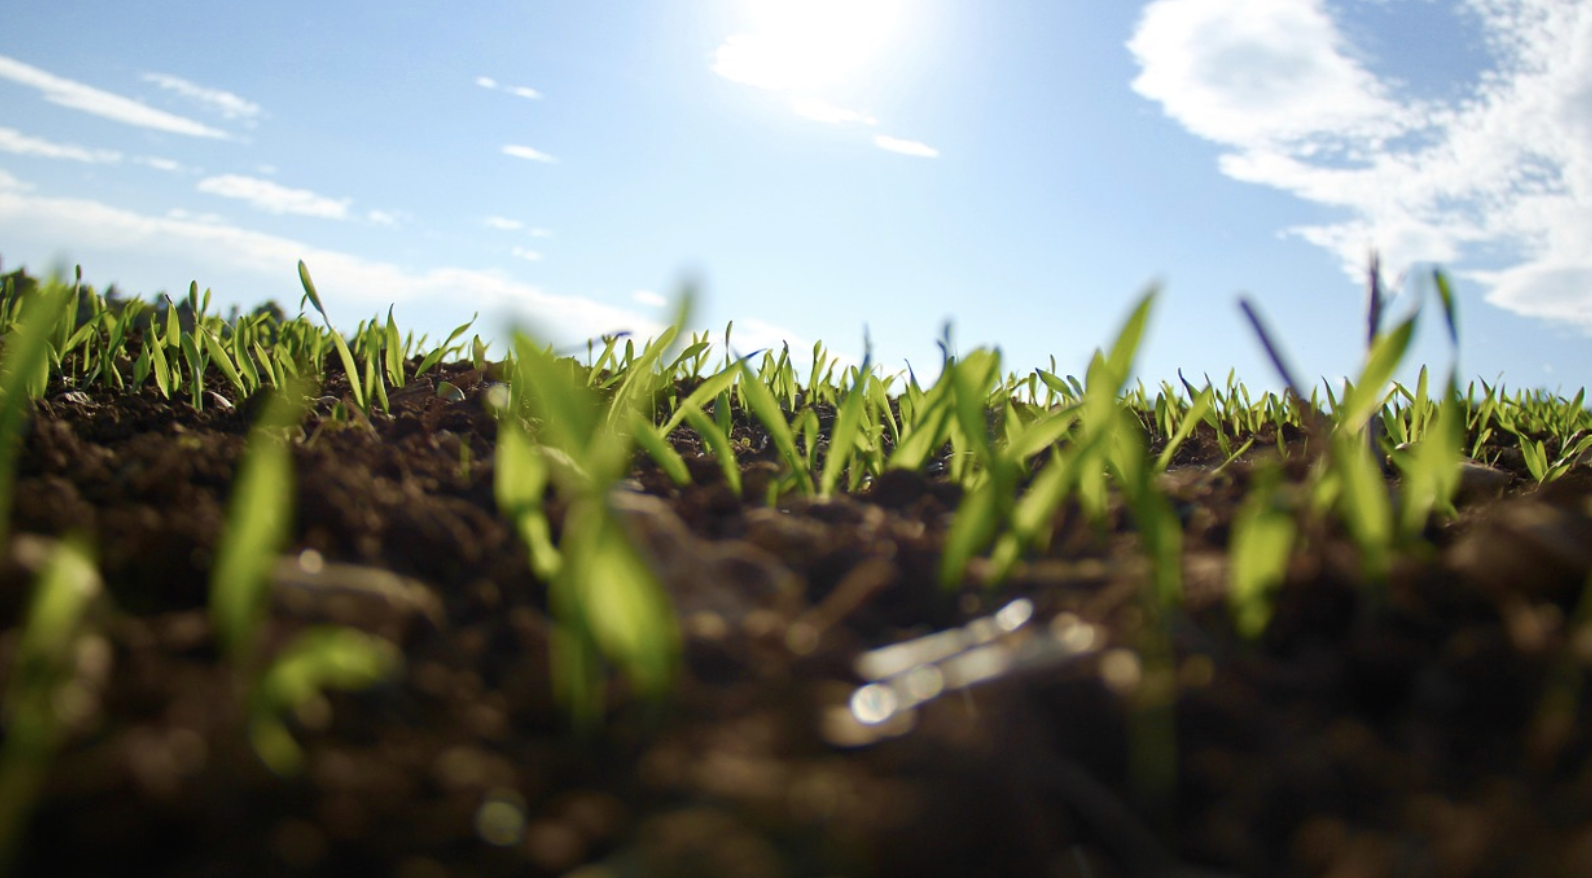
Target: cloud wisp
(350, 284)
(529, 154)
(224, 103)
(823, 111)
(96, 102)
(17, 143)
(905, 147)
(1505, 168)
(274, 198)
(519, 91)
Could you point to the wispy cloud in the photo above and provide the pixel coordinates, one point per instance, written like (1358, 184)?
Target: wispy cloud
(526, 254)
(225, 103)
(522, 91)
(823, 111)
(905, 147)
(9, 183)
(17, 143)
(272, 198)
(1507, 168)
(529, 154)
(349, 284)
(87, 99)
(159, 164)
(650, 298)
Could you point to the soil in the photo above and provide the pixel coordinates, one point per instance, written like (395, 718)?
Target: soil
(1436, 726)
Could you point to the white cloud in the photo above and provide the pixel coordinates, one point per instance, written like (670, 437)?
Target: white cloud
(527, 255)
(227, 104)
(1505, 168)
(504, 224)
(650, 298)
(17, 143)
(823, 111)
(382, 217)
(272, 198)
(349, 284)
(522, 91)
(9, 183)
(93, 101)
(905, 147)
(539, 233)
(525, 152)
(159, 164)
(212, 219)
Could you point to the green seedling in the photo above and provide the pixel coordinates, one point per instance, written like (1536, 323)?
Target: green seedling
(258, 520)
(45, 697)
(24, 374)
(343, 353)
(608, 603)
(319, 659)
(1262, 540)
(766, 407)
(256, 530)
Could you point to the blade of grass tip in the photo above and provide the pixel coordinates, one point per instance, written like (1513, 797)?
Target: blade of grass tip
(310, 293)
(1315, 423)
(640, 374)
(441, 351)
(1374, 299)
(1126, 346)
(848, 424)
(393, 351)
(1371, 388)
(1445, 293)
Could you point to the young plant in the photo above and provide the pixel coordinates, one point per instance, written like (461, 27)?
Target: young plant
(355, 388)
(44, 684)
(1262, 540)
(24, 375)
(256, 530)
(608, 603)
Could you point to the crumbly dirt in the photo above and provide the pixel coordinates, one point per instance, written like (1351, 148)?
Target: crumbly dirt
(1437, 726)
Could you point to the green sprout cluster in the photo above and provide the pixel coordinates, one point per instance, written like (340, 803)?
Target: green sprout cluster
(1384, 464)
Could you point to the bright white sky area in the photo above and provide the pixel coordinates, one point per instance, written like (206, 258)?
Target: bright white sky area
(1023, 168)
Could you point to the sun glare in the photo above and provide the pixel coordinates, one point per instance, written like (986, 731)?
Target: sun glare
(807, 44)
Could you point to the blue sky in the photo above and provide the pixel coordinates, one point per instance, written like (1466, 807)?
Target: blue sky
(1023, 169)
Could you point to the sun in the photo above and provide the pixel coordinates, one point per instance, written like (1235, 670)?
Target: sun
(800, 45)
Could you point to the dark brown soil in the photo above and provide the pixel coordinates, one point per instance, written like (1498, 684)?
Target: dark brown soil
(1439, 730)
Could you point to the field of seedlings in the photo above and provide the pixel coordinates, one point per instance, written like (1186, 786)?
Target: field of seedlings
(280, 600)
